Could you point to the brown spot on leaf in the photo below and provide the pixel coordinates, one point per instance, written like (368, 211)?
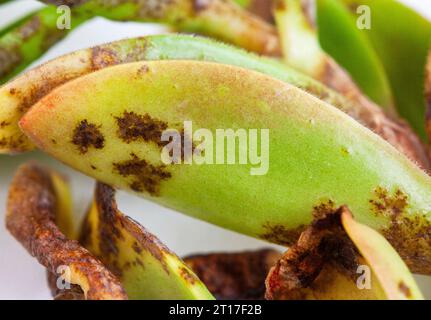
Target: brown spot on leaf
(387, 204)
(280, 234)
(36, 91)
(410, 235)
(136, 247)
(145, 175)
(323, 209)
(143, 70)
(146, 241)
(4, 124)
(187, 275)
(114, 228)
(404, 289)
(132, 127)
(14, 143)
(87, 135)
(103, 57)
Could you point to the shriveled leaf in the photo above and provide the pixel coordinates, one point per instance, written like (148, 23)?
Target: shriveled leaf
(32, 209)
(339, 258)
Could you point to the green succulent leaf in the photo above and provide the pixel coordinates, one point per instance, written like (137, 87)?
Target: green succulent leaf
(401, 38)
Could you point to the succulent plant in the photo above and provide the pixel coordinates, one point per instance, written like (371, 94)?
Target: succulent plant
(299, 142)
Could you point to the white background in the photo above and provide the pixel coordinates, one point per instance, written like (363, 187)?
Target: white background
(21, 277)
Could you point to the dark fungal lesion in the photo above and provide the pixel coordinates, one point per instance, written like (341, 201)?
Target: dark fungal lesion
(409, 233)
(145, 176)
(388, 204)
(134, 127)
(4, 124)
(103, 57)
(404, 289)
(114, 230)
(188, 276)
(87, 135)
(281, 234)
(14, 143)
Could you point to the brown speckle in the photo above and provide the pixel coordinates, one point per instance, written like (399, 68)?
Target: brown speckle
(14, 143)
(103, 57)
(187, 275)
(323, 209)
(405, 290)
(4, 124)
(280, 234)
(143, 70)
(387, 204)
(410, 235)
(147, 241)
(136, 247)
(145, 175)
(132, 127)
(87, 135)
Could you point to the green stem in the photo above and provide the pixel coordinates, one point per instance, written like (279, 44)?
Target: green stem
(224, 20)
(26, 40)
